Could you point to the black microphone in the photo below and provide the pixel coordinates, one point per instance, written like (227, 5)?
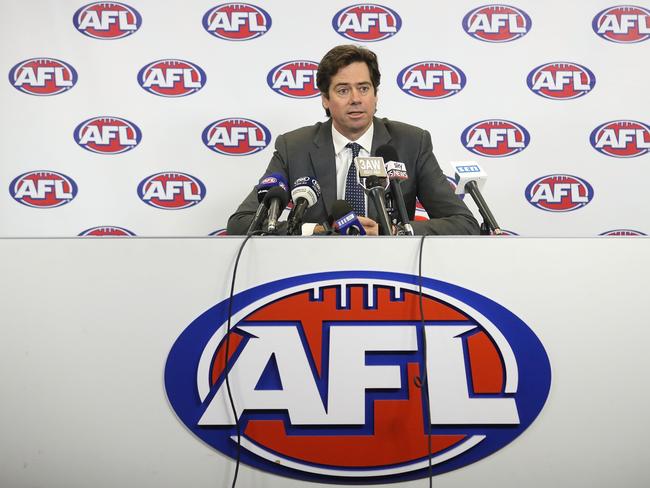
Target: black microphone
(276, 199)
(265, 184)
(305, 193)
(375, 190)
(344, 221)
(396, 174)
(469, 178)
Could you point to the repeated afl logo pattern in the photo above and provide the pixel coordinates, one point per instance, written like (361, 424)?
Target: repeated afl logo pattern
(236, 136)
(43, 76)
(624, 24)
(431, 80)
(623, 233)
(294, 79)
(43, 189)
(107, 20)
(559, 193)
(495, 138)
(237, 21)
(171, 190)
(107, 135)
(497, 23)
(366, 22)
(561, 80)
(106, 231)
(621, 138)
(172, 78)
(327, 369)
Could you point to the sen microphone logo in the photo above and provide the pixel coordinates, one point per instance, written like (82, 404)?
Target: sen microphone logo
(294, 79)
(171, 191)
(43, 189)
(497, 23)
(236, 137)
(561, 80)
(623, 233)
(107, 135)
(367, 22)
(624, 24)
(621, 139)
(495, 138)
(43, 76)
(106, 231)
(431, 79)
(172, 78)
(107, 20)
(328, 370)
(559, 193)
(237, 21)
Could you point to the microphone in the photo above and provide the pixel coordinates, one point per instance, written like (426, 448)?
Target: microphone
(372, 170)
(396, 174)
(265, 184)
(305, 193)
(344, 221)
(276, 199)
(470, 178)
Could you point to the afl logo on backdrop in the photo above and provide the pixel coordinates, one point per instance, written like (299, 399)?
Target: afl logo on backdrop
(171, 190)
(107, 135)
(237, 21)
(42, 76)
(295, 79)
(106, 231)
(236, 136)
(495, 138)
(431, 79)
(561, 80)
(43, 189)
(172, 78)
(623, 233)
(107, 20)
(621, 138)
(559, 193)
(497, 23)
(367, 22)
(625, 24)
(328, 370)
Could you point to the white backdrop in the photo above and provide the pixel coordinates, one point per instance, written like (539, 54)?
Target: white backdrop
(38, 132)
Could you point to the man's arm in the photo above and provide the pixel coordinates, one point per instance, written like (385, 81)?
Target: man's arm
(448, 214)
(240, 221)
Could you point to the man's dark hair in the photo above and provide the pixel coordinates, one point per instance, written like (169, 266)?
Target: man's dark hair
(340, 57)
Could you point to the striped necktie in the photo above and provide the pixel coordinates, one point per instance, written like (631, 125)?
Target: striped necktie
(354, 193)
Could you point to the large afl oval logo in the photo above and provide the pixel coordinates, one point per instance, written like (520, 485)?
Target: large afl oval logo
(327, 373)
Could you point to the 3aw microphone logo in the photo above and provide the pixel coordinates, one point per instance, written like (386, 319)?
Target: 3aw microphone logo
(622, 233)
(495, 138)
(43, 76)
(237, 21)
(497, 23)
(621, 139)
(326, 375)
(561, 80)
(107, 135)
(294, 79)
(366, 22)
(171, 191)
(624, 24)
(559, 193)
(431, 79)
(236, 136)
(172, 78)
(107, 20)
(43, 189)
(106, 231)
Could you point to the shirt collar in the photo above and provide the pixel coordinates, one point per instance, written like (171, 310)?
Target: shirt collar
(365, 141)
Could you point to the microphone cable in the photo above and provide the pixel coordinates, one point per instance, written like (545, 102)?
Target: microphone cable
(227, 355)
(424, 377)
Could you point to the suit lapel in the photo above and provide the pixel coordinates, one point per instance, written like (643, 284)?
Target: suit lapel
(323, 161)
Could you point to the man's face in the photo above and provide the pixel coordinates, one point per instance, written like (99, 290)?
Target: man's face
(351, 100)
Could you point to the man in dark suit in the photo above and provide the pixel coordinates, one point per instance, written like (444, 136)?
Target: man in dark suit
(348, 77)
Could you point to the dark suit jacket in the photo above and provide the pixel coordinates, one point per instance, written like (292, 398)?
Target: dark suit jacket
(309, 151)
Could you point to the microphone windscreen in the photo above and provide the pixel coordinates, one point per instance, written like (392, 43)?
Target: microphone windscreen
(277, 192)
(388, 152)
(339, 209)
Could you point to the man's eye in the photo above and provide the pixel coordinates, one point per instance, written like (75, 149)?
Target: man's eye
(343, 91)
(364, 89)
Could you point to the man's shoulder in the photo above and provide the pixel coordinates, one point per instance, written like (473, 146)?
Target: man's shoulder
(397, 129)
(307, 132)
